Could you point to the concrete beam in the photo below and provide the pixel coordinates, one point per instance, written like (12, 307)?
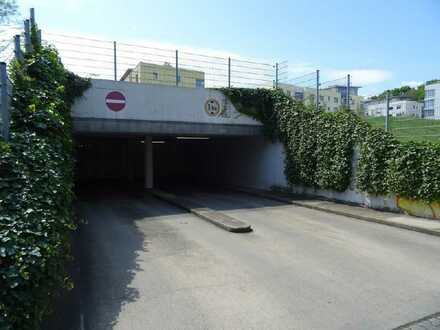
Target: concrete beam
(144, 127)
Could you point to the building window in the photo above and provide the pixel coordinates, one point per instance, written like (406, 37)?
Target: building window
(321, 98)
(430, 93)
(398, 107)
(200, 83)
(328, 98)
(299, 96)
(429, 104)
(428, 113)
(336, 100)
(155, 75)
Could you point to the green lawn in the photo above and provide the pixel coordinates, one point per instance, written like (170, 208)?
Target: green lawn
(410, 129)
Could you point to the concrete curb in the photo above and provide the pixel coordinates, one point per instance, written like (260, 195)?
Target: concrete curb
(217, 218)
(282, 199)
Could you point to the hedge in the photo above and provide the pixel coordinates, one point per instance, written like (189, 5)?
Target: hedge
(319, 148)
(36, 188)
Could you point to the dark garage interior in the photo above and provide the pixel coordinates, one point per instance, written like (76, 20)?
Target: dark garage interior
(246, 161)
(121, 160)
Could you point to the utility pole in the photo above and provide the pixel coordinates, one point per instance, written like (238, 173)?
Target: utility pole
(276, 75)
(387, 111)
(348, 91)
(317, 89)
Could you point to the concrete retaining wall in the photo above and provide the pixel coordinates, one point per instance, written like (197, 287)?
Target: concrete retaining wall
(259, 164)
(251, 162)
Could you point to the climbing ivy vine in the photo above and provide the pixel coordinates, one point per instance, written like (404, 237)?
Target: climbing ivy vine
(318, 145)
(319, 148)
(36, 188)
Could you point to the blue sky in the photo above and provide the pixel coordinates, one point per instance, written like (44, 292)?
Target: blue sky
(381, 43)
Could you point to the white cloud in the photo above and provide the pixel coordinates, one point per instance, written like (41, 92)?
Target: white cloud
(361, 77)
(412, 83)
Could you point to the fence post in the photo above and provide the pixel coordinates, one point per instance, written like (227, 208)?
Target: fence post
(348, 92)
(276, 75)
(317, 89)
(387, 111)
(4, 106)
(17, 48)
(177, 68)
(229, 72)
(27, 37)
(115, 63)
(39, 37)
(32, 17)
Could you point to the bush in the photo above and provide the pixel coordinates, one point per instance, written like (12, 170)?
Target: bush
(36, 188)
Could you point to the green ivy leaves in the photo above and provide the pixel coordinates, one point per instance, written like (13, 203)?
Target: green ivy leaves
(36, 181)
(377, 149)
(319, 148)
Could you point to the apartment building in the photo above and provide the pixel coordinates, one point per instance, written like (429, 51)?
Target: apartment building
(330, 98)
(149, 73)
(432, 101)
(399, 107)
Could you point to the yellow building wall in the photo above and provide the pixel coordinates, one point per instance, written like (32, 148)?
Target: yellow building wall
(148, 73)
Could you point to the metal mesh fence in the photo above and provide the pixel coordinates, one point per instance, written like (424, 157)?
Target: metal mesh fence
(155, 65)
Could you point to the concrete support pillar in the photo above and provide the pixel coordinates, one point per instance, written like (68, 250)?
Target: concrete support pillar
(148, 162)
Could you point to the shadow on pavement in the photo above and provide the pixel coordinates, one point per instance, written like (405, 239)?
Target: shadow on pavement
(106, 248)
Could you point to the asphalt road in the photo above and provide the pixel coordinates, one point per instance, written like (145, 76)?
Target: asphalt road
(148, 265)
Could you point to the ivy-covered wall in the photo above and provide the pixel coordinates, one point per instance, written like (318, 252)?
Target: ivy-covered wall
(36, 188)
(319, 148)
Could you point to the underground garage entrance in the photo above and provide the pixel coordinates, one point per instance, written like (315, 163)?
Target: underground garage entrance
(165, 162)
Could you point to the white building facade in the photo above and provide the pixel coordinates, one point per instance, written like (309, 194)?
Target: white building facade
(330, 99)
(432, 101)
(399, 107)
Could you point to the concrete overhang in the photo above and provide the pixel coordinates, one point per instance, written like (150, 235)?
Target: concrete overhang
(99, 126)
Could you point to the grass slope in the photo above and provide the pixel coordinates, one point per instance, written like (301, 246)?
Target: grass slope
(410, 129)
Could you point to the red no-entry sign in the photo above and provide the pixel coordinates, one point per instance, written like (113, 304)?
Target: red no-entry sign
(115, 101)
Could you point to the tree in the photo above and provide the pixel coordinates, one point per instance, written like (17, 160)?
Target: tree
(416, 93)
(434, 81)
(8, 8)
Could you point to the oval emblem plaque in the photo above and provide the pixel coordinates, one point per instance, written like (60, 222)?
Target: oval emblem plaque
(212, 107)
